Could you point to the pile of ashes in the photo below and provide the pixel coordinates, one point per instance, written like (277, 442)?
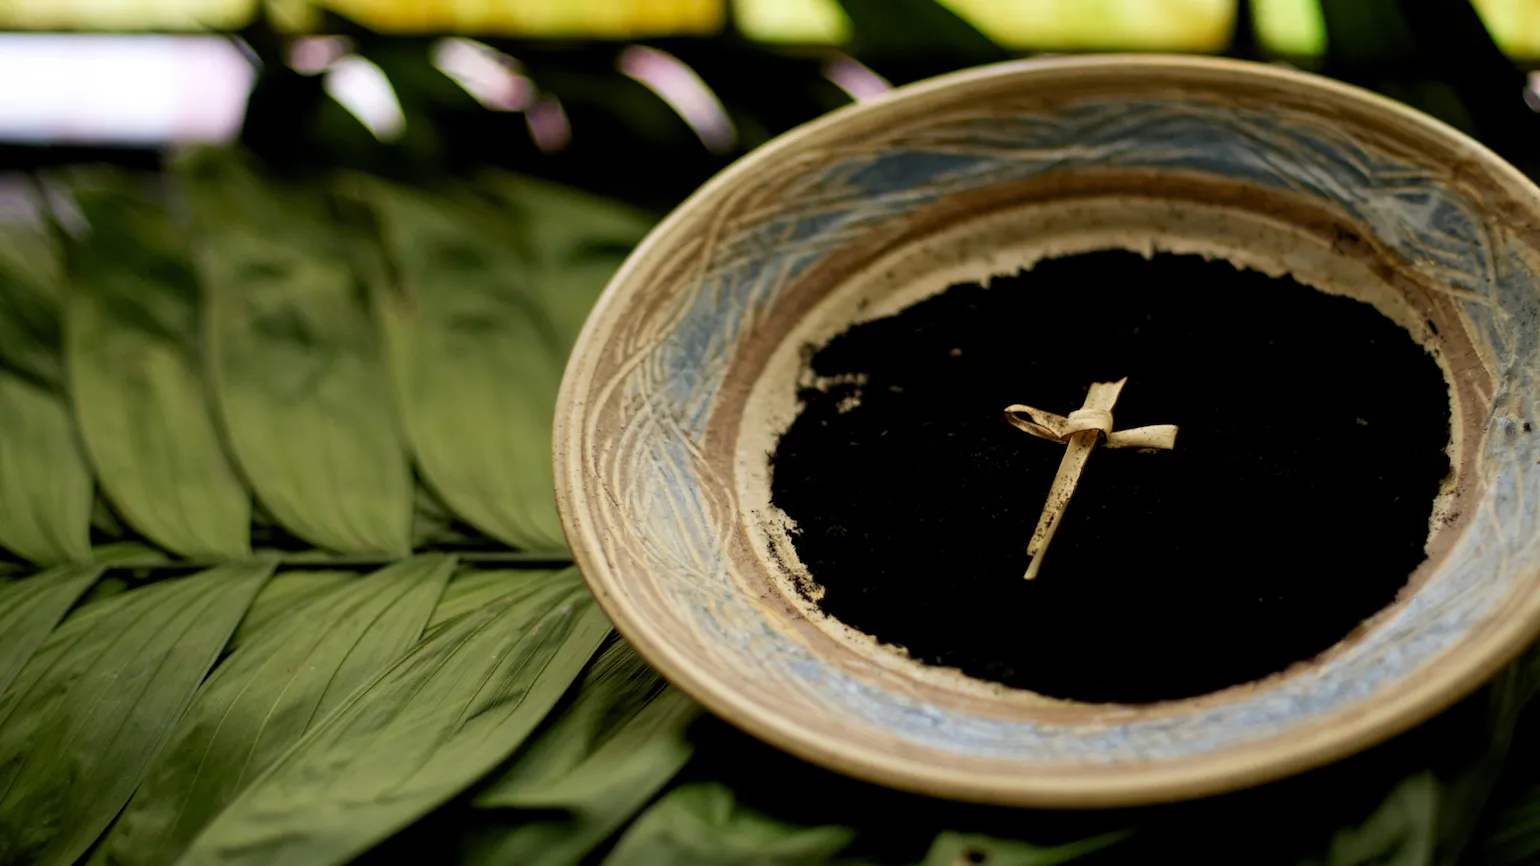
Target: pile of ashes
(1295, 505)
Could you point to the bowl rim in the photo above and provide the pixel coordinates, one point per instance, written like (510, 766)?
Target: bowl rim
(1456, 673)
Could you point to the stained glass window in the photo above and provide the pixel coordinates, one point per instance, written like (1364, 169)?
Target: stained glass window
(1286, 27)
(1081, 25)
(125, 14)
(558, 18)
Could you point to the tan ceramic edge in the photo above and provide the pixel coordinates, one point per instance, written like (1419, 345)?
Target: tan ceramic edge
(1452, 676)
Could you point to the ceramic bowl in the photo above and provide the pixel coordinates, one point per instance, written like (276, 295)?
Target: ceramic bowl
(686, 375)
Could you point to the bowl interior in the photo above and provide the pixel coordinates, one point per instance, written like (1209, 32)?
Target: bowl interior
(1002, 242)
(686, 375)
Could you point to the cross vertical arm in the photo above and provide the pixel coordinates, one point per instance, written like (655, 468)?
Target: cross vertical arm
(1079, 433)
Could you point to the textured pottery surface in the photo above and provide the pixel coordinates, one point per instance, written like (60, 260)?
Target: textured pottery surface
(687, 373)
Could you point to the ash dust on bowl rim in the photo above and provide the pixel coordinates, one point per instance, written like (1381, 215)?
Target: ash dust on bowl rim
(1314, 444)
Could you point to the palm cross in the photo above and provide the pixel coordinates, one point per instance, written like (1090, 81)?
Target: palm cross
(1079, 433)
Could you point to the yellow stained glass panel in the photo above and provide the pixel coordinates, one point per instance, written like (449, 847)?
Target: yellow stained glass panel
(574, 18)
(796, 21)
(1514, 24)
(125, 14)
(1293, 27)
(1092, 25)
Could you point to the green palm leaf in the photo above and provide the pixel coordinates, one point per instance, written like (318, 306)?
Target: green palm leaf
(953, 848)
(30, 277)
(45, 486)
(475, 360)
(597, 762)
(700, 824)
(87, 715)
(130, 342)
(280, 595)
(293, 358)
(259, 702)
(1403, 831)
(432, 724)
(31, 607)
(471, 590)
(574, 243)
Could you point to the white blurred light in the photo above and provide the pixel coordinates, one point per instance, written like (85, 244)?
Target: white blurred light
(856, 79)
(684, 91)
(364, 91)
(312, 55)
(91, 88)
(487, 74)
(548, 124)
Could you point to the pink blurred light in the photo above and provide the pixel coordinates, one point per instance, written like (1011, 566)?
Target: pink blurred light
(548, 124)
(856, 79)
(312, 55)
(493, 78)
(684, 91)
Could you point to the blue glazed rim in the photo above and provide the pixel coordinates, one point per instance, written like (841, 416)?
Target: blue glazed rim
(647, 500)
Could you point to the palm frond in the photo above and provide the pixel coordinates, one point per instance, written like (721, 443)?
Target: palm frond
(131, 346)
(289, 675)
(293, 359)
(94, 705)
(446, 714)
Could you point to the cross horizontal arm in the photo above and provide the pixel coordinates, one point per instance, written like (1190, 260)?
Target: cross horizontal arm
(1161, 436)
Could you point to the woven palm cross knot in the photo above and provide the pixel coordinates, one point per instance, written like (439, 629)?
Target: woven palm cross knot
(1079, 433)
